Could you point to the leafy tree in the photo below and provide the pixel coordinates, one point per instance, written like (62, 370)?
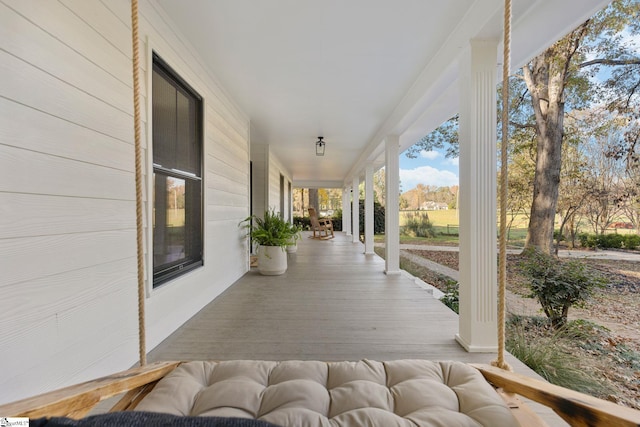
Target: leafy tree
(445, 137)
(520, 177)
(575, 190)
(602, 179)
(558, 81)
(631, 201)
(379, 187)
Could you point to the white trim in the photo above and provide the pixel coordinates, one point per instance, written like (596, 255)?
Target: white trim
(149, 291)
(152, 47)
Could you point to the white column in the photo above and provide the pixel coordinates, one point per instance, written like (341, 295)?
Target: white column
(355, 210)
(346, 211)
(477, 207)
(392, 212)
(368, 209)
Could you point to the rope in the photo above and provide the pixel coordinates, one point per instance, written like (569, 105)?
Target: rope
(502, 258)
(138, 159)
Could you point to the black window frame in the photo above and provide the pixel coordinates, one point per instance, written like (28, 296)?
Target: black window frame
(185, 165)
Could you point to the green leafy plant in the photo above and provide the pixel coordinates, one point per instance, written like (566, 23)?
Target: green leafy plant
(609, 241)
(418, 225)
(541, 350)
(451, 297)
(615, 241)
(296, 232)
(631, 241)
(557, 284)
(271, 230)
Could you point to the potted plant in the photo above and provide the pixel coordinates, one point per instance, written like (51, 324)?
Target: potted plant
(273, 235)
(296, 231)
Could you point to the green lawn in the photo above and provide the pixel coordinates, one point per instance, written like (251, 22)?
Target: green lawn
(446, 224)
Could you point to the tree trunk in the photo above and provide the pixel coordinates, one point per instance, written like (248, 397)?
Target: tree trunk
(546, 77)
(545, 193)
(545, 80)
(313, 199)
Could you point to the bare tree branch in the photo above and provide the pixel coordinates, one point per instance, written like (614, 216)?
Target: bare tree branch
(613, 62)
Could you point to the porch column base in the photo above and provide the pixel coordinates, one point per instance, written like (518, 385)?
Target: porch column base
(470, 348)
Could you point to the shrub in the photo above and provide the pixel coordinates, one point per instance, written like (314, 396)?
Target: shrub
(378, 218)
(614, 241)
(557, 284)
(606, 241)
(303, 222)
(631, 241)
(451, 295)
(582, 238)
(557, 236)
(418, 225)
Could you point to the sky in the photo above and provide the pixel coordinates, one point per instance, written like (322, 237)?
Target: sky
(429, 168)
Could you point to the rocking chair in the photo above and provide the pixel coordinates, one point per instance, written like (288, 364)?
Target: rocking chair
(322, 226)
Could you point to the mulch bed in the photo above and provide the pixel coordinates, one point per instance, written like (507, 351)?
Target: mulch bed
(616, 357)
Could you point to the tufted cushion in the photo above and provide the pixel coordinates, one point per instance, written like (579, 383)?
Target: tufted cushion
(309, 393)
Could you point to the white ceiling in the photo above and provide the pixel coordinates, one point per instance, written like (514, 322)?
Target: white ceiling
(352, 71)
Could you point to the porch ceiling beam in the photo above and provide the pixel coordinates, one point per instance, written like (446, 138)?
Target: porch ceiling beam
(317, 184)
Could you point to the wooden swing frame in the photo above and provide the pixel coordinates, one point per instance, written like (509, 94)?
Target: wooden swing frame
(133, 385)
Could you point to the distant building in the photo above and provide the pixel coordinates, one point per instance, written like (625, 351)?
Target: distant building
(434, 206)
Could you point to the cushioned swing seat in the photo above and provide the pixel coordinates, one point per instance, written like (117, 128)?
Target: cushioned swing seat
(310, 393)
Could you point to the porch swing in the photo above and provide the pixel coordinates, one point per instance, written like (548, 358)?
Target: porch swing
(292, 393)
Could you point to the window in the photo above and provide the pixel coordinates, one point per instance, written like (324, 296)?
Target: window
(177, 175)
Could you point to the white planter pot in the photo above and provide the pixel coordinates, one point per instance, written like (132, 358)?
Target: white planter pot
(272, 260)
(292, 249)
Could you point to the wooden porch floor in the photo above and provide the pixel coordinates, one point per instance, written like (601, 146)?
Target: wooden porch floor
(333, 303)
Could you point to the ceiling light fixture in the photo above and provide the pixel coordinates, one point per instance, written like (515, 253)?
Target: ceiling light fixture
(320, 146)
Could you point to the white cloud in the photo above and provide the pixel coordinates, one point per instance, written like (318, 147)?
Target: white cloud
(410, 178)
(431, 155)
(453, 162)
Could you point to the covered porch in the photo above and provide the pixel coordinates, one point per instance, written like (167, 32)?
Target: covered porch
(369, 77)
(332, 304)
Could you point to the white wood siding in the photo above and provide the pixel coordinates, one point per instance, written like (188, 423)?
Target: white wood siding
(267, 169)
(259, 161)
(67, 209)
(275, 170)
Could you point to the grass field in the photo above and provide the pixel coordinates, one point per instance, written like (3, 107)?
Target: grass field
(446, 224)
